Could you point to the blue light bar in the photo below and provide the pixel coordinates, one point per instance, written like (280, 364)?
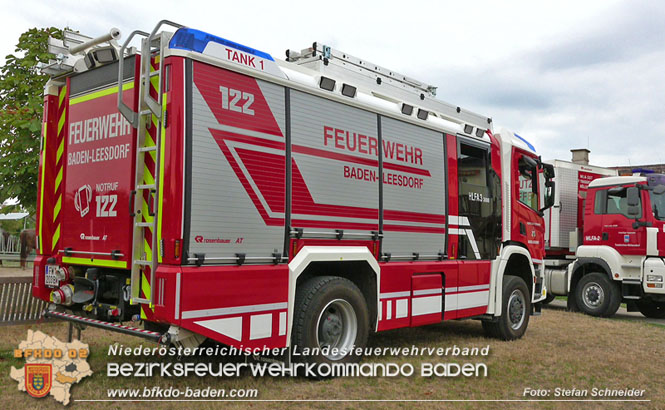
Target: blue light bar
(526, 142)
(196, 40)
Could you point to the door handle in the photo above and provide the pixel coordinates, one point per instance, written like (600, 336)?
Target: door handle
(606, 236)
(522, 229)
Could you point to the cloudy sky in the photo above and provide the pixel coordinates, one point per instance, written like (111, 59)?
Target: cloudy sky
(563, 74)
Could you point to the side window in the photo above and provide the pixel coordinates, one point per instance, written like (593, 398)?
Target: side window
(600, 202)
(613, 202)
(472, 172)
(527, 197)
(479, 202)
(617, 204)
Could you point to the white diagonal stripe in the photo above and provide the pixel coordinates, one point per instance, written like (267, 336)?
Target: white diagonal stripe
(191, 314)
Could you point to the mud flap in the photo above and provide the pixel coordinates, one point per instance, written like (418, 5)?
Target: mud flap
(571, 305)
(536, 309)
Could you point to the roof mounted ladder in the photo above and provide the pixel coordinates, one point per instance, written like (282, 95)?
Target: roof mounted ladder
(144, 204)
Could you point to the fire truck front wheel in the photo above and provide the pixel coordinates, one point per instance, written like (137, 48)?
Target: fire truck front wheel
(330, 319)
(597, 295)
(651, 309)
(516, 307)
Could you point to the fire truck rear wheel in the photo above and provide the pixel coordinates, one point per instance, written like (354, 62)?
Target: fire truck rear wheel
(515, 310)
(650, 309)
(330, 313)
(597, 295)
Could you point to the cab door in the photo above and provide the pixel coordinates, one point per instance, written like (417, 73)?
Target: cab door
(479, 225)
(527, 226)
(618, 228)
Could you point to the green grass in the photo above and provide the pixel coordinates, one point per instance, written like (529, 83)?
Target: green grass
(560, 349)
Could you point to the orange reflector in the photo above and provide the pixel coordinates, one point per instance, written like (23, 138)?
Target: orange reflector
(651, 285)
(176, 248)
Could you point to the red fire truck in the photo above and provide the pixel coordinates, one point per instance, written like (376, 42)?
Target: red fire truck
(211, 191)
(615, 251)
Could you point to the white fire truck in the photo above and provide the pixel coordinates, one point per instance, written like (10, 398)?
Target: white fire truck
(211, 191)
(602, 239)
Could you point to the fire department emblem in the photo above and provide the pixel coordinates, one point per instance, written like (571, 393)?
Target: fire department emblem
(82, 200)
(38, 379)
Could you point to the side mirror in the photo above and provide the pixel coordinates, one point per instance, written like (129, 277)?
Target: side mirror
(549, 171)
(549, 195)
(633, 196)
(633, 210)
(633, 201)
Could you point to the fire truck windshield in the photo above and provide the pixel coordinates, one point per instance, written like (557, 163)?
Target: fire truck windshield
(658, 202)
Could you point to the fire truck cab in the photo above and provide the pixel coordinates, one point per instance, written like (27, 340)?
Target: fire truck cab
(210, 191)
(621, 258)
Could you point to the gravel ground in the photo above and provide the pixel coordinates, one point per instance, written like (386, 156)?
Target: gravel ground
(9, 269)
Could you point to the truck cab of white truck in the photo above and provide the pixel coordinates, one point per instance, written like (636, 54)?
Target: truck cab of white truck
(621, 256)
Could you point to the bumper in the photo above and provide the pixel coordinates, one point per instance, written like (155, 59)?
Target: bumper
(114, 327)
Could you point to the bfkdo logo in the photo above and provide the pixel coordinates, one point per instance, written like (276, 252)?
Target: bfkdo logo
(51, 367)
(38, 379)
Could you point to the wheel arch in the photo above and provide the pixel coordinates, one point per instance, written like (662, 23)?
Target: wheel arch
(354, 263)
(515, 261)
(585, 265)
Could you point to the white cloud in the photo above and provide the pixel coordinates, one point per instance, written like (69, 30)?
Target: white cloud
(559, 72)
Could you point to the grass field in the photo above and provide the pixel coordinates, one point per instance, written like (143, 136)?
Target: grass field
(560, 349)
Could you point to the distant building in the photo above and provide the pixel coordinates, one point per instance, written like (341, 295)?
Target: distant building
(581, 156)
(631, 169)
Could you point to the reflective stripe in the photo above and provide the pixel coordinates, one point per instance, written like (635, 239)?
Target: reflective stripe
(61, 97)
(426, 305)
(423, 292)
(62, 109)
(58, 180)
(56, 208)
(458, 220)
(177, 296)
(160, 193)
(100, 93)
(468, 288)
(94, 262)
(193, 314)
(56, 236)
(474, 287)
(61, 121)
(145, 285)
(41, 193)
(394, 295)
(61, 149)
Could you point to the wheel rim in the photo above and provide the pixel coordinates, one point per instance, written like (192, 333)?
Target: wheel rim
(337, 328)
(516, 309)
(593, 295)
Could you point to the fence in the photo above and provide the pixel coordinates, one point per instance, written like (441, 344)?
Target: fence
(17, 305)
(11, 244)
(10, 249)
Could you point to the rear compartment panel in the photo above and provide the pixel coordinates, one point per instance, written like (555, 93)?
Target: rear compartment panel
(98, 175)
(237, 164)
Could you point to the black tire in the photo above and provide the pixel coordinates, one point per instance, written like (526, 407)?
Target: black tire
(329, 311)
(515, 311)
(597, 295)
(571, 303)
(549, 299)
(650, 309)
